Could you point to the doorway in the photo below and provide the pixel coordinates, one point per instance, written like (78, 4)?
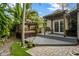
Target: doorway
(58, 26)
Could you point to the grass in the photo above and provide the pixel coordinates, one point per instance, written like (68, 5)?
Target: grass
(17, 50)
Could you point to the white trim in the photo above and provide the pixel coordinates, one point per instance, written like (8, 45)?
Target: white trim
(59, 26)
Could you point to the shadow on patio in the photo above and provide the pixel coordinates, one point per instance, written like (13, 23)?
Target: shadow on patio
(66, 39)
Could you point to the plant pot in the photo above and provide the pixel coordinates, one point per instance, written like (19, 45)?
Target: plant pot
(29, 45)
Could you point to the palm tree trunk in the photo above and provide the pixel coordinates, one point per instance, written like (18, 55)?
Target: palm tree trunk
(78, 21)
(23, 24)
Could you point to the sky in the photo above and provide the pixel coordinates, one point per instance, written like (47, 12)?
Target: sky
(44, 9)
(48, 8)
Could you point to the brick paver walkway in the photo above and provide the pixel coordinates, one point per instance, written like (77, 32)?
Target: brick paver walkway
(54, 50)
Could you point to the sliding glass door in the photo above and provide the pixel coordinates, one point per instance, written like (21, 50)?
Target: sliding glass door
(61, 26)
(58, 26)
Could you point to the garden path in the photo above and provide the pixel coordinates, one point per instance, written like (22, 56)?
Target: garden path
(5, 48)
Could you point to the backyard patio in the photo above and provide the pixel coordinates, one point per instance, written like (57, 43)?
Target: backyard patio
(27, 33)
(54, 51)
(52, 39)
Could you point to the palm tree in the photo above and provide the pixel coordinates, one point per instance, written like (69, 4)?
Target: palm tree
(19, 16)
(20, 13)
(24, 14)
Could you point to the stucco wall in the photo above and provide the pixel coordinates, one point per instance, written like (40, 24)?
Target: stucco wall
(49, 23)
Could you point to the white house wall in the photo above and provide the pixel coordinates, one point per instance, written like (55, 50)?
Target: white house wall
(49, 23)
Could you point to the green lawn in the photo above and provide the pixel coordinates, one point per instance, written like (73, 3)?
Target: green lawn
(17, 50)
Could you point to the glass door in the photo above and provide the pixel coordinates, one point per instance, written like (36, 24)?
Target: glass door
(58, 26)
(61, 26)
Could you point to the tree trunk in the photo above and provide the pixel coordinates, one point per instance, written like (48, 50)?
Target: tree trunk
(23, 24)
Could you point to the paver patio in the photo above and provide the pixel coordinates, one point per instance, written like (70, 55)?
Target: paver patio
(52, 40)
(54, 51)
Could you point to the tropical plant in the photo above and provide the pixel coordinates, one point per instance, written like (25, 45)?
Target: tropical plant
(19, 16)
(16, 12)
(5, 20)
(33, 16)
